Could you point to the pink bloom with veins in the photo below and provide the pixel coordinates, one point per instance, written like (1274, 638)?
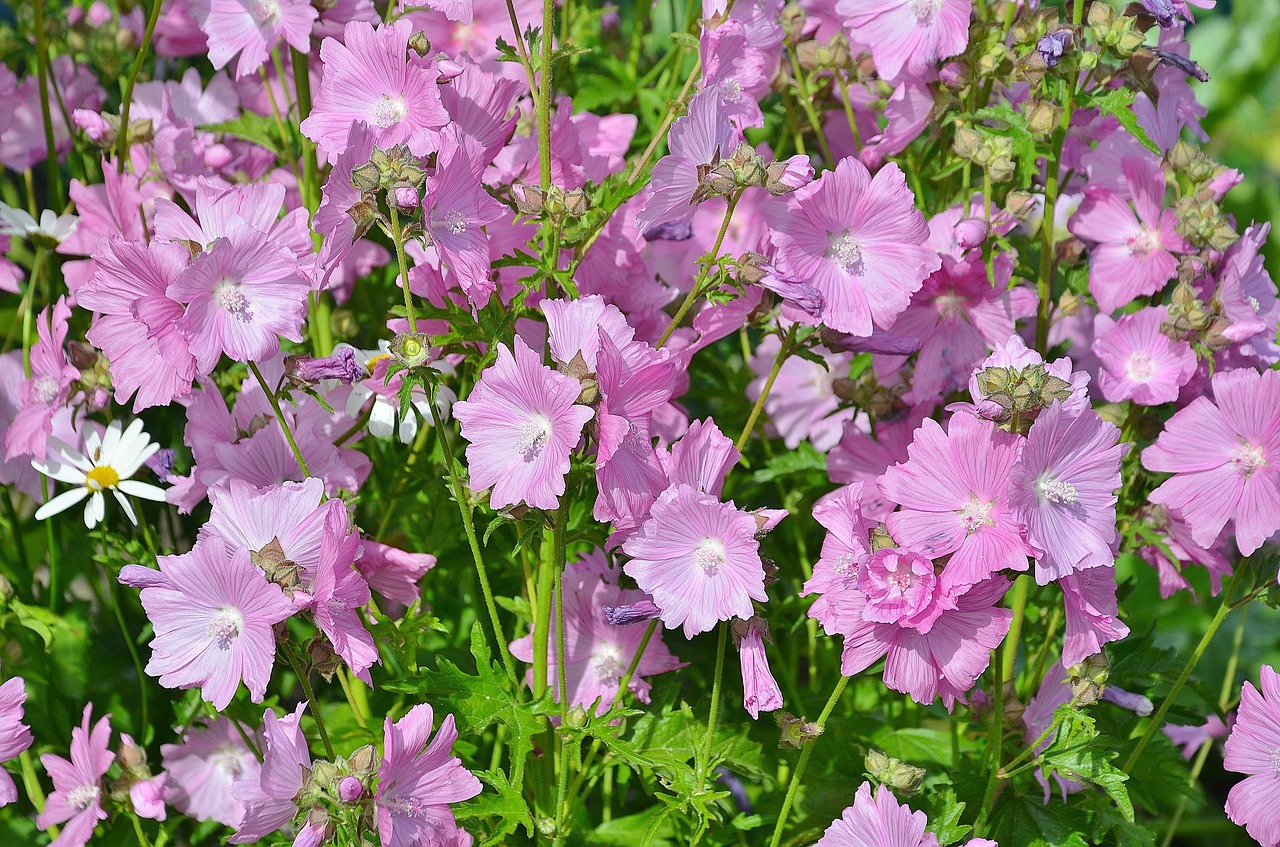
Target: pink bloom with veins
(203, 766)
(1139, 363)
(270, 800)
(15, 736)
(1252, 748)
(253, 28)
(49, 387)
(1133, 252)
(878, 822)
(907, 37)
(76, 800)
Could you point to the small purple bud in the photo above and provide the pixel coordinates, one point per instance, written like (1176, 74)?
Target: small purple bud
(1182, 63)
(1163, 11)
(161, 463)
(1136, 703)
(1052, 46)
(970, 233)
(342, 366)
(644, 610)
(448, 67)
(405, 196)
(350, 789)
(672, 231)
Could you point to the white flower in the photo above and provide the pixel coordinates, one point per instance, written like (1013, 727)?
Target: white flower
(18, 223)
(110, 462)
(386, 408)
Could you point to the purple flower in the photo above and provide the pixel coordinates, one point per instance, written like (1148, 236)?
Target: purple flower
(253, 29)
(953, 492)
(879, 822)
(1063, 488)
(1192, 738)
(698, 558)
(15, 736)
(392, 572)
(521, 422)
(1091, 612)
(760, 692)
(1223, 454)
(47, 390)
(1252, 748)
(858, 240)
(699, 139)
(76, 800)
(418, 780)
(213, 622)
(1051, 46)
(339, 592)
(342, 366)
(1248, 296)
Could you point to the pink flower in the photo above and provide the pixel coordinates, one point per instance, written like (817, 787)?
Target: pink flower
(760, 691)
(418, 780)
(392, 572)
(943, 661)
(841, 513)
(253, 28)
(1133, 254)
(953, 492)
(734, 71)
(1091, 612)
(859, 240)
(900, 587)
(1063, 489)
(1139, 363)
(15, 736)
(136, 324)
(1223, 454)
(802, 404)
(1192, 738)
(241, 296)
(290, 515)
(881, 822)
(202, 768)
(270, 800)
(698, 558)
(457, 208)
(597, 652)
(340, 592)
(76, 800)
(1252, 749)
(521, 423)
(371, 77)
(908, 35)
(47, 390)
(213, 623)
(1248, 296)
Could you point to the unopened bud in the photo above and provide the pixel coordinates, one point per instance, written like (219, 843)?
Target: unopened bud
(405, 196)
(350, 789)
(1088, 679)
(1043, 117)
(970, 233)
(419, 43)
(900, 777)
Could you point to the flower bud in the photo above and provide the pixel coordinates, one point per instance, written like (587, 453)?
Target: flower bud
(350, 789)
(1088, 679)
(900, 777)
(576, 717)
(419, 44)
(405, 196)
(363, 760)
(1043, 117)
(642, 610)
(411, 349)
(970, 233)
(968, 142)
(303, 371)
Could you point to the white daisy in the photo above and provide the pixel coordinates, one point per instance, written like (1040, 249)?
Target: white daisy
(18, 223)
(385, 408)
(107, 465)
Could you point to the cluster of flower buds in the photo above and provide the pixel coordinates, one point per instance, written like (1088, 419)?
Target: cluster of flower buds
(1118, 34)
(744, 169)
(1020, 395)
(994, 153)
(95, 374)
(1088, 679)
(882, 402)
(104, 129)
(885, 769)
(277, 566)
(816, 56)
(554, 203)
(339, 787)
(1201, 221)
(137, 788)
(1191, 319)
(397, 172)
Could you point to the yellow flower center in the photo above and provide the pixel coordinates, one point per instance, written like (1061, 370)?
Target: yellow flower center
(373, 361)
(103, 476)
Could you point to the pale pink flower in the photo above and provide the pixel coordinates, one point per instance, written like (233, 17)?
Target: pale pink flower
(760, 691)
(201, 769)
(1091, 613)
(802, 404)
(47, 389)
(842, 514)
(521, 423)
(253, 28)
(598, 652)
(1063, 489)
(393, 573)
(15, 736)
(245, 517)
(339, 592)
(1139, 363)
(76, 800)
(1133, 253)
(1252, 749)
(1192, 738)
(953, 493)
(418, 780)
(1223, 453)
(270, 800)
(213, 623)
(1248, 296)
(858, 240)
(879, 822)
(908, 37)
(371, 77)
(698, 558)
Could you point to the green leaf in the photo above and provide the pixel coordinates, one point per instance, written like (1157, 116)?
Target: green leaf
(256, 128)
(504, 802)
(1027, 821)
(944, 818)
(1118, 102)
(803, 459)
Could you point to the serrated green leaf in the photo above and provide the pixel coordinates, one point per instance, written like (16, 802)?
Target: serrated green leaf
(804, 459)
(499, 800)
(1118, 102)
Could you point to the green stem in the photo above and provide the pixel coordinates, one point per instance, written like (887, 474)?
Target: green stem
(122, 140)
(1157, 720)
(1017, 602)
(661, 132)
(806, 104)
(397, 236)
(32, 783)
(52, 175)
(305, 679)
(543, 105)
(696, 291)
(562, 780)
(783, 352)
(137, 824)
(284, 425)
(522, 48)
(114, 591)
(797, 776)
(995, 739)
(469, 527)
(708, 743)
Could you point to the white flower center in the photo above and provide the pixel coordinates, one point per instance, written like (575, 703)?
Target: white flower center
(389, 111)
(949, 305)
(534, 436)
(975, 515)
(224, 627)
(45, 388)
(1253, 302)
(455, 222)
(1143, 241)
(227, 760)
(607, 664)
(82, 797)
(844, 564)
(1248, 458)
(731, 90)
(709, 555)
(232, 299)
(847, 253)
(265, 11)
(925, 10)
(1140, 367)
(1056, 490)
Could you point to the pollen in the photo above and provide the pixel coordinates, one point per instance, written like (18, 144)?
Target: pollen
(101, 477)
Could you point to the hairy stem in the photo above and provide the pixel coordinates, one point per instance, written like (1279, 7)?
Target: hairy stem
(708, 743)
(696, 291)
(122, 140)
(284, 425)
(797, 776)
(304, 677)
(783, 352)
(397, 237)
